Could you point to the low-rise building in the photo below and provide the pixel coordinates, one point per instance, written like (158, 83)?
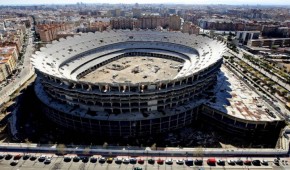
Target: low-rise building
(8, 61)
(190, 28)
(245, 36)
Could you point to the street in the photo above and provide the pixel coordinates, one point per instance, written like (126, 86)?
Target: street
(26, 71)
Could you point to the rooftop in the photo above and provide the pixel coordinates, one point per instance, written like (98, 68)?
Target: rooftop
(69, 57)
(236, 99)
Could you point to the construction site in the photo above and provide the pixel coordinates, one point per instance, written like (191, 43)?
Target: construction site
(135, 69)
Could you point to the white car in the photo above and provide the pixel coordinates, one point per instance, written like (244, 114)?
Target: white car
(180, 162)
(231, 162)
(126, 161)
(42, 158)
(168, 161)
(47, 161)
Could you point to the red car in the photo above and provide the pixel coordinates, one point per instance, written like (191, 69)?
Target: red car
(17, 157)
(160, 161)
(140, 161)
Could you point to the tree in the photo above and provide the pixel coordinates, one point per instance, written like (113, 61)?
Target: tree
(199, 152)
(60, 148)
(105, 145)
(153, 147)
(86, 150)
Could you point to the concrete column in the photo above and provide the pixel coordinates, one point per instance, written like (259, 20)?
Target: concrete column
(272, 43)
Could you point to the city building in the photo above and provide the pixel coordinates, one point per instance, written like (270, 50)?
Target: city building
(151, 22)
(48, 32)
(174, 22)
(190, 28)
(269, 42)
(244, 36)
(8, 61)
(136, 12)
(122, 23)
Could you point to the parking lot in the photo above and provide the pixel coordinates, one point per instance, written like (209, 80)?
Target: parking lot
(48, 161)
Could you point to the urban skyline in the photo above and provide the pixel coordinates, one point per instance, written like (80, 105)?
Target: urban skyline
(201, 2)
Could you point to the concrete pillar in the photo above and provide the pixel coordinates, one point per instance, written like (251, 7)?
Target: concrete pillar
(283, 43)
(272, 43)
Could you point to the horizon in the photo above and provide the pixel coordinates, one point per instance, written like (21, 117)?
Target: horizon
(185, 2)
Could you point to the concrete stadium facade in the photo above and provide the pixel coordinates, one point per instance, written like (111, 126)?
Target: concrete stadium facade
(125, 108)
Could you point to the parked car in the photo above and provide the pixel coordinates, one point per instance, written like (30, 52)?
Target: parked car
(67, 159)
(84, 159)
(256, 162)
(133, 160)
(277, 162)
(118, 161)
(8, 157)
(76, 159)
(198, 162)
(137, 168)
(126, 161)
(221, 162)
(47, 161)
(169, 161)
(189, 162)
(102, 160)
(93, 159)
(211, 161)
(14, 163)
(109, 160)
(239, 162)
(179, 162)
(33, 158)
(41, 158)
(248, 162)
(151, 161)
(160, 161)
(264, 162)
(17, 157)
(2, 156)
(231, 162)
(26, 156)
(140, 161)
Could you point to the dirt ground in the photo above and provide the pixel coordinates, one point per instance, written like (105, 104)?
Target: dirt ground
(135, 69)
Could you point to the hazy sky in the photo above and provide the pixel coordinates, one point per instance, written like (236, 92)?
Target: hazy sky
(253, 2)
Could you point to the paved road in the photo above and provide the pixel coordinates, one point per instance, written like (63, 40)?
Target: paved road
(26, 72)
(265, 72)
(58, 163)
